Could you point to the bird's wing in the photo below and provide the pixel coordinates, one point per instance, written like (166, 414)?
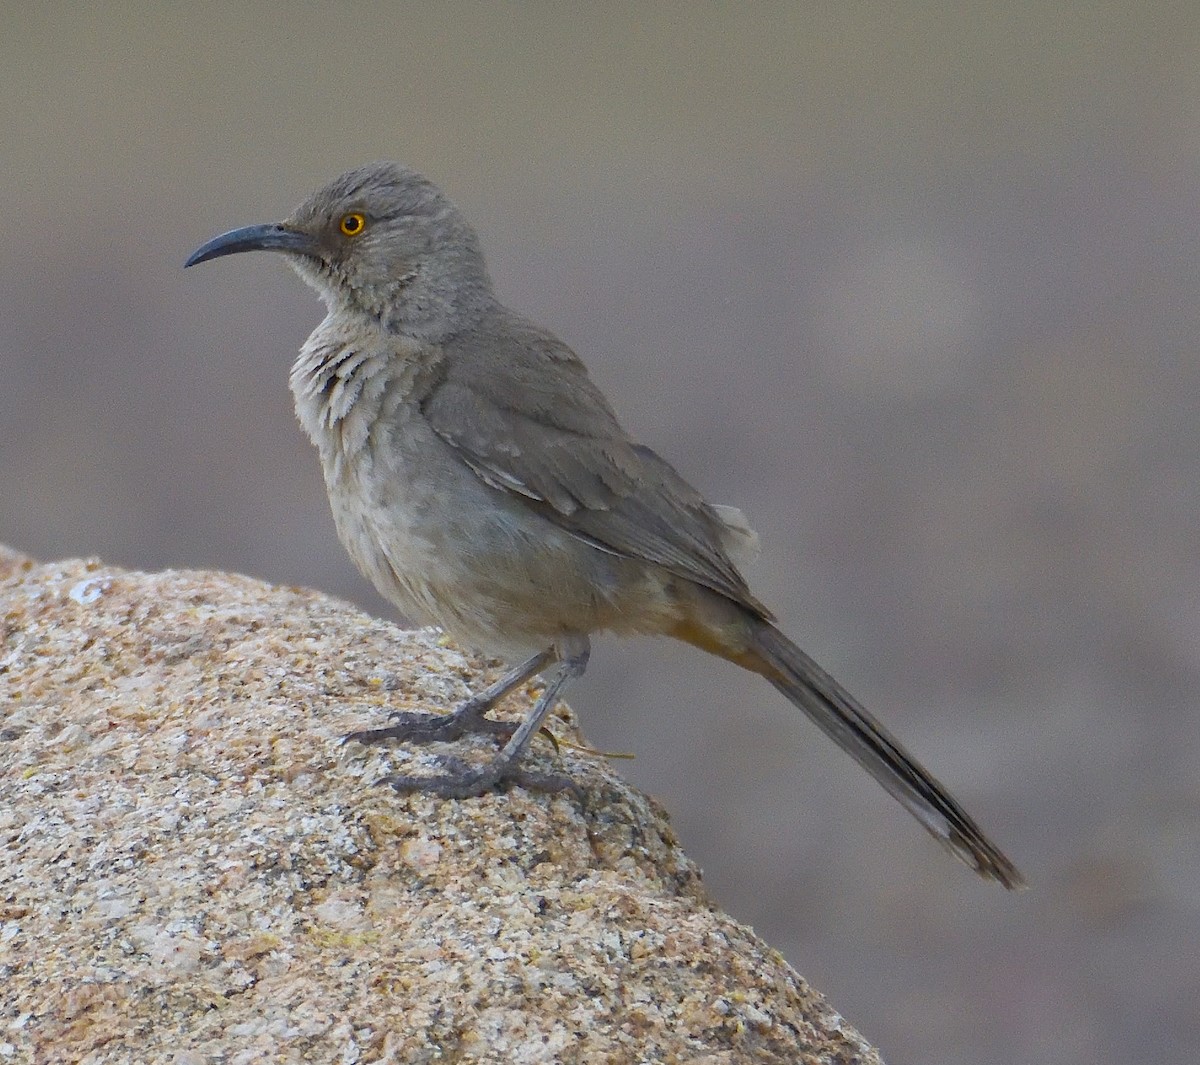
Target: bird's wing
(519, 409)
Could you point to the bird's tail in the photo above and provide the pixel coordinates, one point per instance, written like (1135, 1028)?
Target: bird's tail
(839, 715)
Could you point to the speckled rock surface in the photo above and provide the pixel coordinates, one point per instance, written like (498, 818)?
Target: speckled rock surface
(195, 870)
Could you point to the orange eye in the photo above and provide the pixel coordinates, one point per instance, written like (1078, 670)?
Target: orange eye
(352, 224)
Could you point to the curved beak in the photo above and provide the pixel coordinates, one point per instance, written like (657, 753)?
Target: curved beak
(274, 236)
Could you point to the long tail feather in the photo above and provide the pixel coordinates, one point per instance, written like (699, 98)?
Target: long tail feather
(841, 718)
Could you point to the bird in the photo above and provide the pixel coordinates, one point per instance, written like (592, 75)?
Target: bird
(483, 483)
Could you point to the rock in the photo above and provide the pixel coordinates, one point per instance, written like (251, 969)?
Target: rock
(196, 869)
(13, 562)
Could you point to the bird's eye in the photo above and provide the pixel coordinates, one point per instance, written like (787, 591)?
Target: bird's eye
(352, 224)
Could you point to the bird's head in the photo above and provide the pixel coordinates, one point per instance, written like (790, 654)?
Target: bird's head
(380, 241)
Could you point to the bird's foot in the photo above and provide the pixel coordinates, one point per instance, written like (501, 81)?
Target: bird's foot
(468, 719)
(461, 781)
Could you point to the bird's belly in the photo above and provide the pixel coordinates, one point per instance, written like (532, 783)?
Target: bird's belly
(451, 551)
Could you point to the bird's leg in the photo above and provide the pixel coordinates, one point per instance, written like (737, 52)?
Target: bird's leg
(458, 780)
(468, 717)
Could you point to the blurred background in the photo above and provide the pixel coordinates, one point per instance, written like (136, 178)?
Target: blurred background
(914, 285)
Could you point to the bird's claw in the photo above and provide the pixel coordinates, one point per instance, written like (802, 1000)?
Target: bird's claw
(461, 781)
(432, 728)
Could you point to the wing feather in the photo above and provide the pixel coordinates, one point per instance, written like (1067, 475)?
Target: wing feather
(518, 407)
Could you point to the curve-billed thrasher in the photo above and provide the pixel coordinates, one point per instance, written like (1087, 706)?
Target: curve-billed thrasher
(482, 482)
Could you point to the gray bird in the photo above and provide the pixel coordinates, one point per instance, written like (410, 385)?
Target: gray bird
(483, 484)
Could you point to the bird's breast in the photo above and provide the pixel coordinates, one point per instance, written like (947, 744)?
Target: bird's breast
(347, 380)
